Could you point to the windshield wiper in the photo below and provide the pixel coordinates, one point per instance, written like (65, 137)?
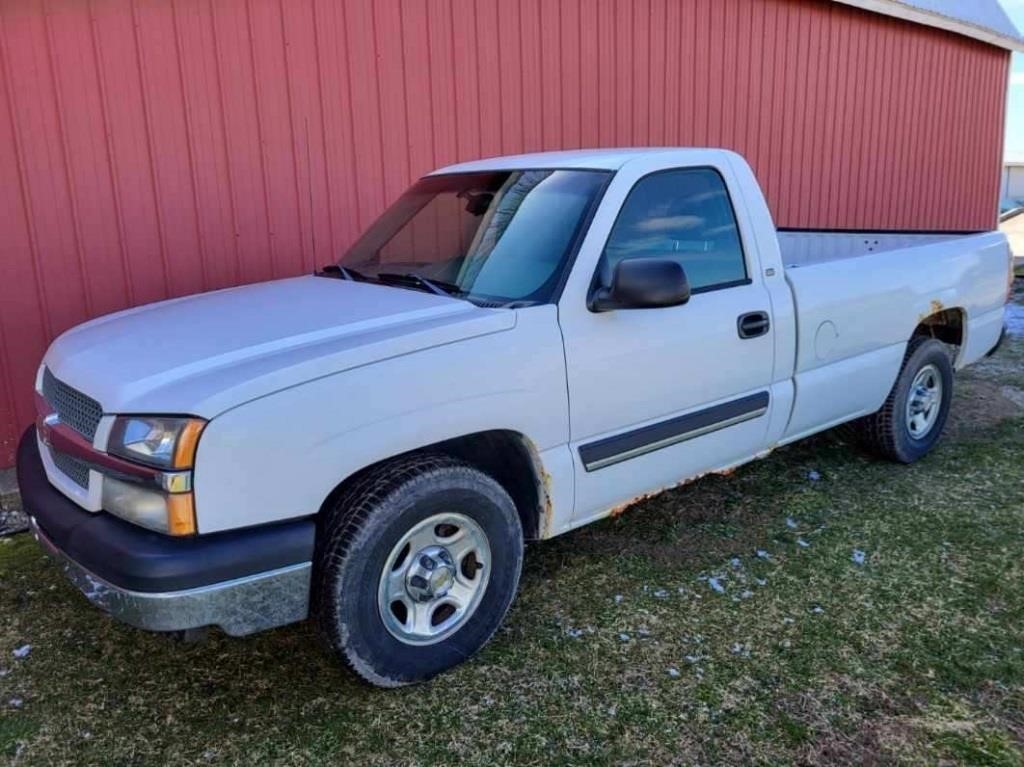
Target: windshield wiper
(344, 273)
(393, 278)
(433, 286)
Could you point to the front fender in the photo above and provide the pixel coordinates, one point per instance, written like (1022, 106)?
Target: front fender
(279, 457)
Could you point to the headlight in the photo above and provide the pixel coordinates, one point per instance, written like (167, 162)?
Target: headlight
(158, 441)
(171, 513)
(167, 443)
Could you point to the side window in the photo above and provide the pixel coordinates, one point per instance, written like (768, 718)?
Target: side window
(685, 215)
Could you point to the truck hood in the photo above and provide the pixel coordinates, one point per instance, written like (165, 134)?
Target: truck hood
(204, 354)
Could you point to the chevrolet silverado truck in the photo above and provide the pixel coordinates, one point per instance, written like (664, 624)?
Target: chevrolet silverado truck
(516, 348)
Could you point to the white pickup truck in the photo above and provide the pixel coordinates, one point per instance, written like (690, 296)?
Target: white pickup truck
(517, 347)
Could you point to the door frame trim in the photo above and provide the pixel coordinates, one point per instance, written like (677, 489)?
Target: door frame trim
(646, 439)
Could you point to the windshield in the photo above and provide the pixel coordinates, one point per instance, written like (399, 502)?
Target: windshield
(492, 237)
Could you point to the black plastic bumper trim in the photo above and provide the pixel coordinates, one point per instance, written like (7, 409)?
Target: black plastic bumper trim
(136, 559)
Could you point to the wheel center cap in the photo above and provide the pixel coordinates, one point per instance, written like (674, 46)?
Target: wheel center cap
(924, 400)
(441, 581)
(431, 574)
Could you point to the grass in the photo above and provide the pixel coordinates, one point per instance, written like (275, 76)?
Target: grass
(618, 650)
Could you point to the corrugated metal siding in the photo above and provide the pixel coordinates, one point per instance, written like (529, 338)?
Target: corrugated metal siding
(155, 148)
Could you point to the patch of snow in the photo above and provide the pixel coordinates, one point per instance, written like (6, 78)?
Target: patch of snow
(12, 521)
(673, 672)
(762, 554)
(802, 543)
(23, 651)
(1012, 393)
(1015, 319)
(716, 585)
(618, 599)
(858, 557)
(660, 594)
(16, 702)
(791, 523)
(818, 610)
(736, 563)
(813, 476)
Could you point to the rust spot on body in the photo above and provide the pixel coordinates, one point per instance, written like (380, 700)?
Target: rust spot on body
(618, 511)
(935, 306)
(548, 515)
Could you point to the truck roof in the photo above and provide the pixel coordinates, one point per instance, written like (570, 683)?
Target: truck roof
(590, 159)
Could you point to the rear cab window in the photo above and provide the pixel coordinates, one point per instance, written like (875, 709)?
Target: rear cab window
(686, 215)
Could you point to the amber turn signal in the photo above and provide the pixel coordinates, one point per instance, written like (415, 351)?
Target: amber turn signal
(188, 441)
(181, 514)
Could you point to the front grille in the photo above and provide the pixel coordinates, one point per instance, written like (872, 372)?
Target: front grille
(78, 411)
(77, 471)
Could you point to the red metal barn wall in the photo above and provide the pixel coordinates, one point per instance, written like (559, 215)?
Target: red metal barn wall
(154, 148)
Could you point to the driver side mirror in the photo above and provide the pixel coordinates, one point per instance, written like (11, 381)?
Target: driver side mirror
(642, 283)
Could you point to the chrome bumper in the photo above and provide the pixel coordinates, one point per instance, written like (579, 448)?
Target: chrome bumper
(239, 607)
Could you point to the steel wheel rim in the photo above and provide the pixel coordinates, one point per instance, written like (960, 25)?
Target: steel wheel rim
(924, 403)
(425, 593)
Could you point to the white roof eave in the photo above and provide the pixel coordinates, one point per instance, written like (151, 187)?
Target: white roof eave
(907, 12)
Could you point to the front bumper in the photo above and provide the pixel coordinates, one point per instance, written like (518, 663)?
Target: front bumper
(243, 581)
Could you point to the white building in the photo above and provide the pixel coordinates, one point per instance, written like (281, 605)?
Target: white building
(1013, 180)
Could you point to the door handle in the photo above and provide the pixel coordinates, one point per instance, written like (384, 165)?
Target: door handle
(753, 324)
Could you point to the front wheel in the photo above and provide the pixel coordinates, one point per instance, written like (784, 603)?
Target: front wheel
(911, 421)
(418, 563)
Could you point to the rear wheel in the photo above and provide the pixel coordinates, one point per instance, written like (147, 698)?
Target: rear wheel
(418, 563)
(910, 422)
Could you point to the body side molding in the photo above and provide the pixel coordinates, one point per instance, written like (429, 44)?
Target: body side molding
(646, 439)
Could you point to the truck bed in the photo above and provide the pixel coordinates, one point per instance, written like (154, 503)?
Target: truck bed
(805, 248)
(875, 288)
(859, 297)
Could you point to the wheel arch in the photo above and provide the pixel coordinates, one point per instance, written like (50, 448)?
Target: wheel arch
(508, 456)
(947, 325)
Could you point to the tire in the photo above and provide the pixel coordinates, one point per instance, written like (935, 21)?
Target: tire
(380, 638)
(889, 433)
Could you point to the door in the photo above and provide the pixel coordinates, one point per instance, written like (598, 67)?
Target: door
(657, 396)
